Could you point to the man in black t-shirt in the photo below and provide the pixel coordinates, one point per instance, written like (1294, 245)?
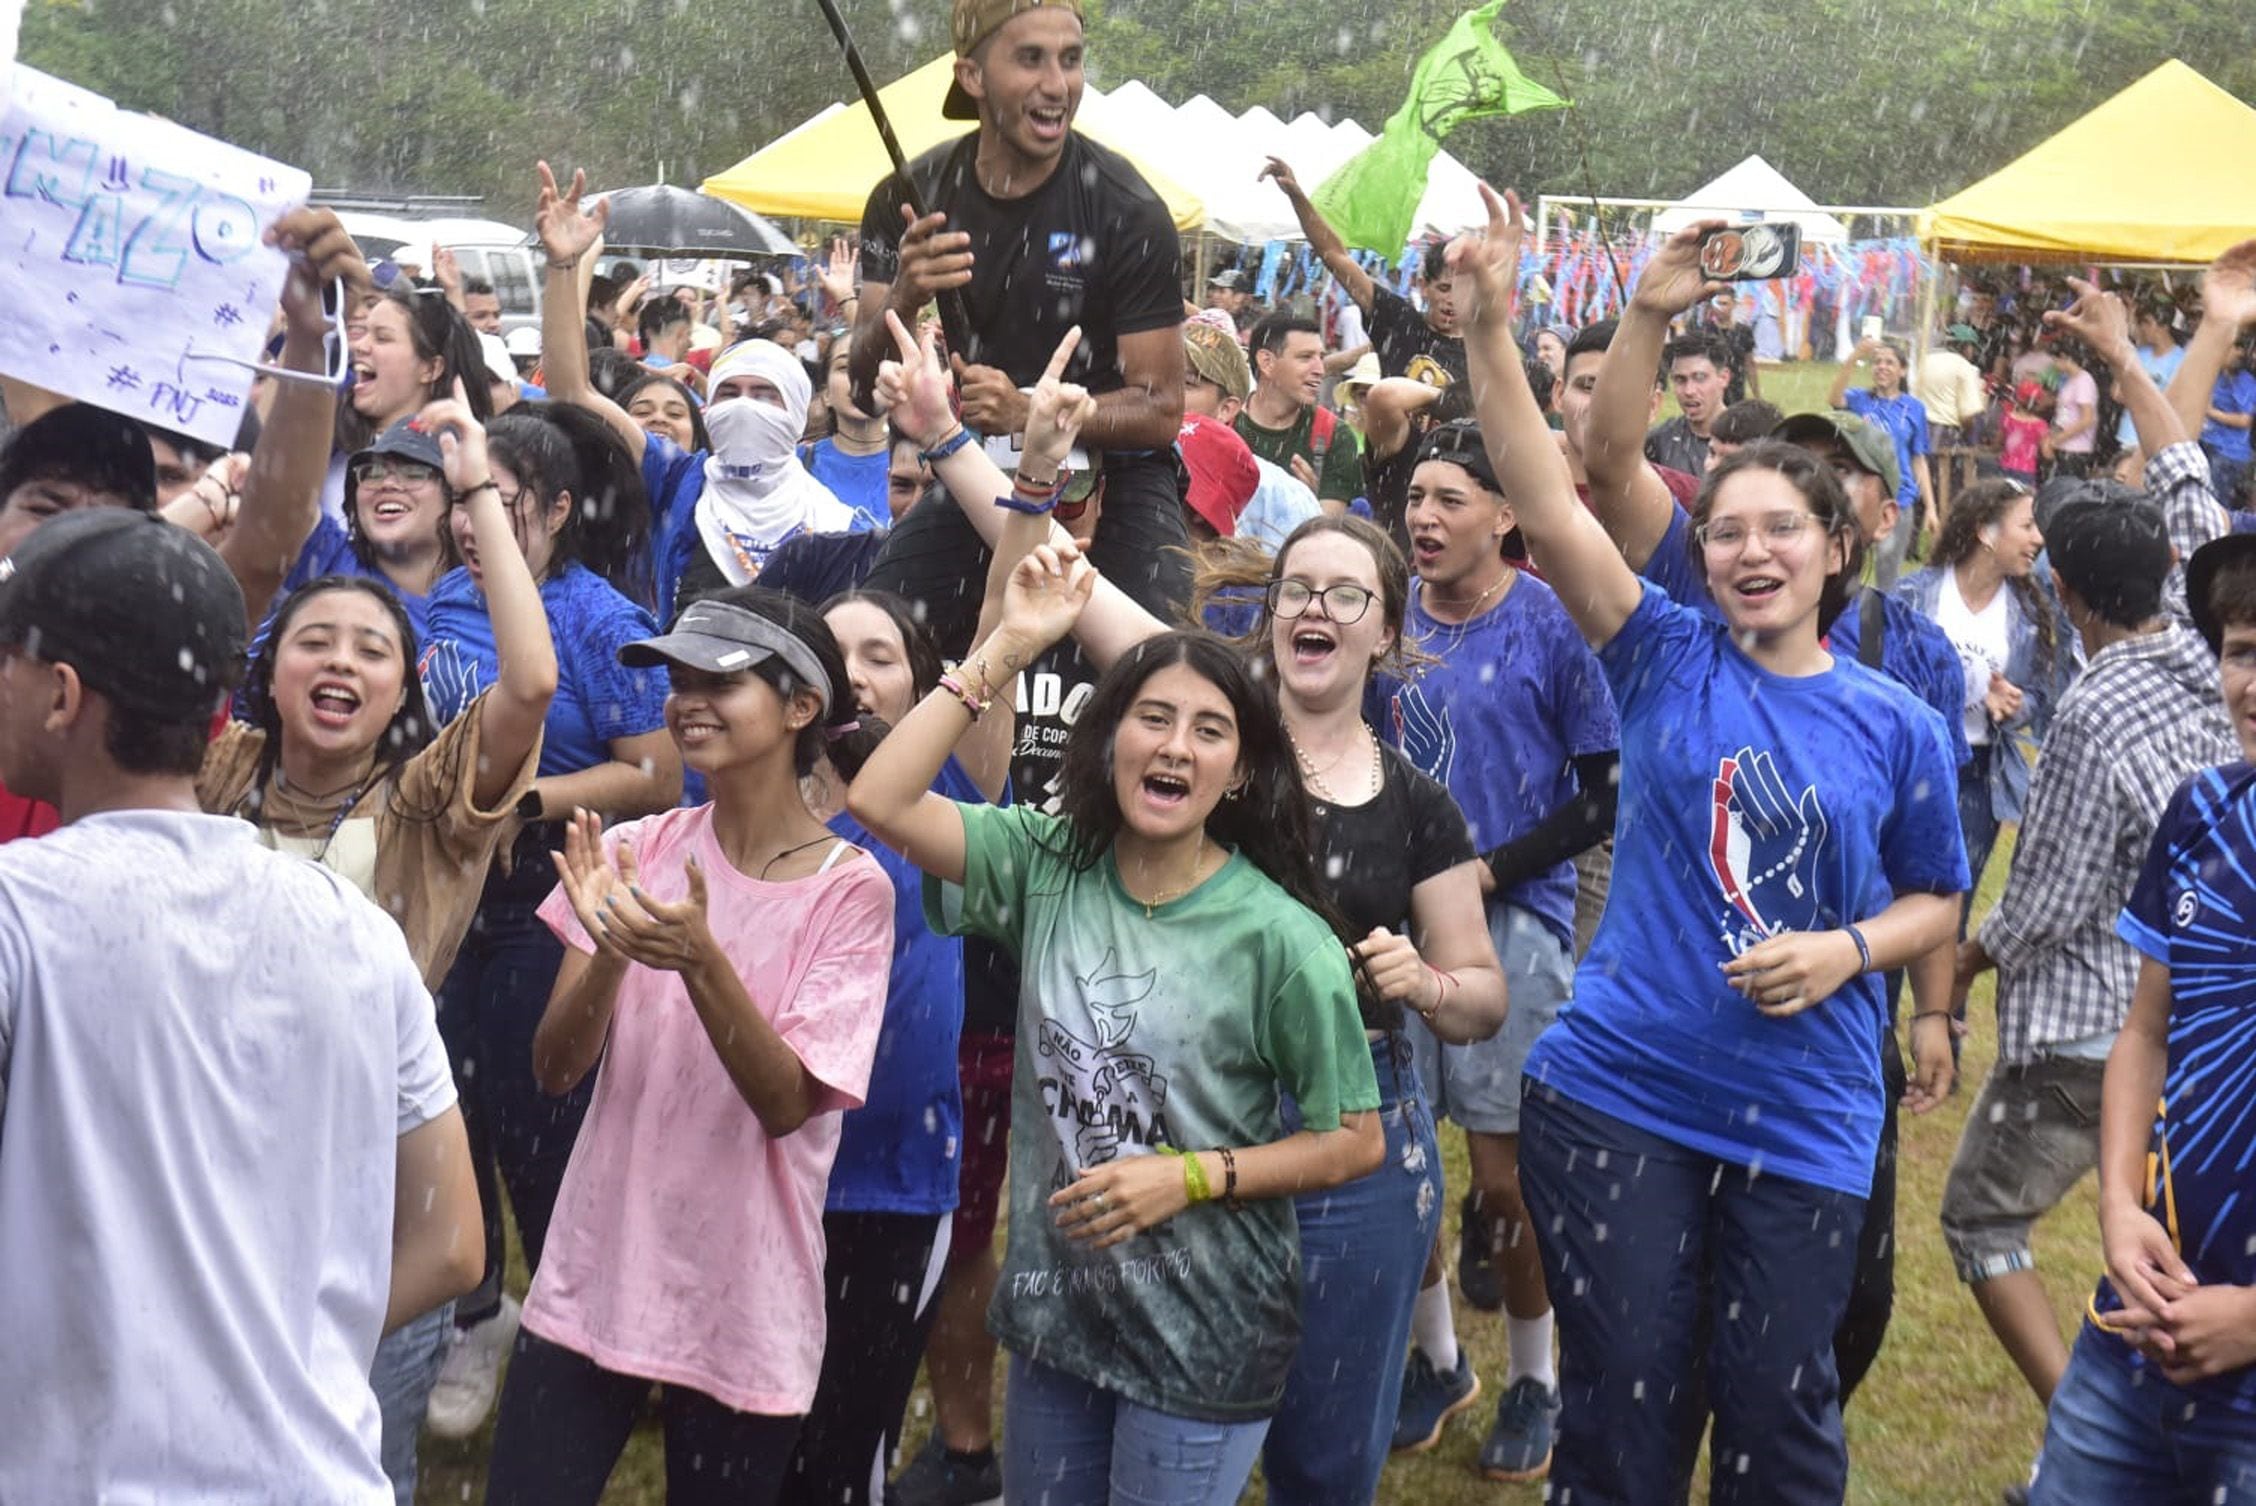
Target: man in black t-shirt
(1723, 318)
(1424, 347)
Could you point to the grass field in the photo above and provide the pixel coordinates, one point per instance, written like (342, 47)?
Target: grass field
(1943, 1420)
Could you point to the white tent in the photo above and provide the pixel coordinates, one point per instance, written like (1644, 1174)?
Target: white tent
(1752, 191)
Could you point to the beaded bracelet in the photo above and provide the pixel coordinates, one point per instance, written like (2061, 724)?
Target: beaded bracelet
(1229, 1178)
(972, 703)
(947, 447)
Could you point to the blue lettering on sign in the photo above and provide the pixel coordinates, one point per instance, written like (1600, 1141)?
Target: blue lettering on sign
(156, 254)
(225, 230)
(59, 173)
(94, 239)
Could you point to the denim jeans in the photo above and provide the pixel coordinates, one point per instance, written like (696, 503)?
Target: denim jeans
(407, 1366)
(489, 1007)
(1682, 1282)
(2117, 1432)
(1362, 1251)
(1068, 1443)
(1977, 820)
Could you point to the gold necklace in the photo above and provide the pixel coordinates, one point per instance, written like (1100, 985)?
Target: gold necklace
(1169, 896)
(1316, 780)
(1474, 610)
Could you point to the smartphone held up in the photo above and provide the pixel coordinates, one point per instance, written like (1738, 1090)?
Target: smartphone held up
(1751, 253)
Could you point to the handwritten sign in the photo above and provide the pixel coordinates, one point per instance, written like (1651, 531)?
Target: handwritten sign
(130, 257)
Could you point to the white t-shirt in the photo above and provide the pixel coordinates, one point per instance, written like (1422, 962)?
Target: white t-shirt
(1983, 641)
(208, 1053)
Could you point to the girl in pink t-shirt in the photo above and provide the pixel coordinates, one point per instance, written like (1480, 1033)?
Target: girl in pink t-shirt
(728, 966)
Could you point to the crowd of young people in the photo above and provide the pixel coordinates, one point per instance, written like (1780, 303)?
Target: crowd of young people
(1096, 770)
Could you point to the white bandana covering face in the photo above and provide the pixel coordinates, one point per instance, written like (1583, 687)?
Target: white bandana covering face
(757, 494)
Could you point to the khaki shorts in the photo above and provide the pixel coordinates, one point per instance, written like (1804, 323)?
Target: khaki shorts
(2031, 1136)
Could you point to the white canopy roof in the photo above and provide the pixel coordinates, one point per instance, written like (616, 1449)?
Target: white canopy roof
(1752, 191)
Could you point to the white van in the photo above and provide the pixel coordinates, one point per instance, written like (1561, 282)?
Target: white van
(486, 250)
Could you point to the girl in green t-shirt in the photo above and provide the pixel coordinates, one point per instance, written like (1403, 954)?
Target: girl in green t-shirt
(1180, 970)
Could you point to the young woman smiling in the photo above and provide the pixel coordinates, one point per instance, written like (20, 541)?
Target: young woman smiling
(1175, 982)
(1699, 1130)
(338, 762)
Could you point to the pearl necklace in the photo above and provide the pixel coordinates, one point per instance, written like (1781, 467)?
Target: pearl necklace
(1316, 780)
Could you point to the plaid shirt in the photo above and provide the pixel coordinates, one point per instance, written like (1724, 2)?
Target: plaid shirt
(2133, 727)
(2178, 479)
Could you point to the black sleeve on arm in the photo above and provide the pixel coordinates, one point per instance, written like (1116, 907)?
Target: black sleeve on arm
(1581, 822)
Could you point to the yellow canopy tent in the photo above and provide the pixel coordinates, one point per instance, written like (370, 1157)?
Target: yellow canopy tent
(825, 169)
(2148, 176)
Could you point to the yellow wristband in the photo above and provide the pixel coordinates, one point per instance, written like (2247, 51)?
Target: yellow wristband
(1194, 1175)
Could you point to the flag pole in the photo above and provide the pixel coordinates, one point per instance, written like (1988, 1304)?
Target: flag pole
(955, 320)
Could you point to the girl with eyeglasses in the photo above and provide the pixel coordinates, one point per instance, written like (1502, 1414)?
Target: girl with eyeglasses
(1394, 857)
(1700, 1126)
(574, 501)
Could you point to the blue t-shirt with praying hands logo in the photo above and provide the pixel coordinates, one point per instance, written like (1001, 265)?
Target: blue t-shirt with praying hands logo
(1752, 804)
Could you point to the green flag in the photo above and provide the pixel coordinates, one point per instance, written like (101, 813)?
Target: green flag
(1373, 196)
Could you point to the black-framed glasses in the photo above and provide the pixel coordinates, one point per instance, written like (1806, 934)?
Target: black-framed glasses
(404, 472)
(1344, 604)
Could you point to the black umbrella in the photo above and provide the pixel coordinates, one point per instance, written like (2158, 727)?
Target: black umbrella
(662, 220)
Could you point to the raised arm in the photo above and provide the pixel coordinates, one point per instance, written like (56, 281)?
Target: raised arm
(1388, 409)
(2228, 306)
(1322, 238)
(931, 260)
(1837, 395)
(516, 707)
(1595, 585)
(281, 494)
(914, 390)
(567, 236)
(1626, 494)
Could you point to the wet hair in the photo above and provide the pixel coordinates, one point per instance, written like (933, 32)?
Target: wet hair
(611, 371)
(552, 448)
(1236, 569)
(925, 666)
(408, 733)
(1542, 380)
(1592, 339)
(1269, 336)
(1980, 506)
(439, 334)
(1269, 820)
(1900, 351)
(142, 744)
(659, 315)
(1746, 421)
(1699, 345)
(357, 538)
(843, 734)
(1433, 264)
(2232, 595)
(476, 285)
(197, 453)
(1811, 474)
(699, 439)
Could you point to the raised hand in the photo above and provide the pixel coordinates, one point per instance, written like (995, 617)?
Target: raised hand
(838, 271)
(2100, 319)
(1046, 594)
(992, 403)
(1057, 409)
(446, 270)
(914, 391)
(589, 877)
(320, 253)
(1282, 175)
(462, 441)
(1487, 262)
(2228, 288)
(566, 233)
(1672, 281)
(933, 259)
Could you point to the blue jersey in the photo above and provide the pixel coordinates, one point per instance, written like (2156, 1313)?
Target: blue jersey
(598, 700)
(328, 551)
(1751, 804)
(859, 481)
(1914, 652)
(2194, 911)
(899, 1152)
(1905, 419)
(1517, 695)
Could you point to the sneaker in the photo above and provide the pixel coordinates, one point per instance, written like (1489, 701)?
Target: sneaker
(1430, 1398)
(1519, 1445)
(1477, 1275)
(470, 1376)
(936, 1477)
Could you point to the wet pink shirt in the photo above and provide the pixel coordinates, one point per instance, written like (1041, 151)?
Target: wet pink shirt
(687, 1245)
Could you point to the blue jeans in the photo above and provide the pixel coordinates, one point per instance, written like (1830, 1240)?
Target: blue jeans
(1680, 1281)
(2117, 1432)
(1068, 1443)
(1977, 820)
(1362, 1250)
(489, 1007)
(407, 1366)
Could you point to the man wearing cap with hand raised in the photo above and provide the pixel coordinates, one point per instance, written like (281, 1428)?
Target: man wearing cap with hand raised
(1035, 229)
(230, 1154)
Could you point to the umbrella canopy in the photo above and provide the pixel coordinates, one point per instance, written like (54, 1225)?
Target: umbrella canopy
(679, 222)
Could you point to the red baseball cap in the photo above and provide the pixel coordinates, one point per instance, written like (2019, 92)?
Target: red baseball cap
(1223, 475)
